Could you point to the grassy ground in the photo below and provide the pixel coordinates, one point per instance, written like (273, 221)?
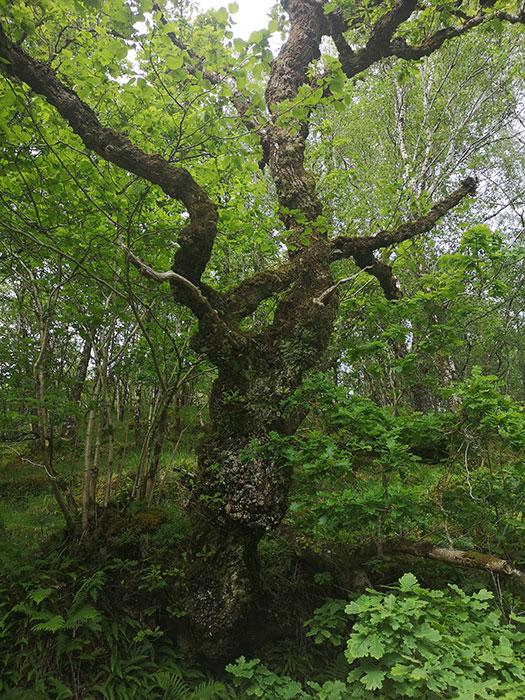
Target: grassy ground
(28, 511)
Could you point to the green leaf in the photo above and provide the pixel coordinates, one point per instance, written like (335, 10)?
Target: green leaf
(407, 582)
(222, 15)
(52, 625)
(174, 61)
(337, 83)
(373, 680)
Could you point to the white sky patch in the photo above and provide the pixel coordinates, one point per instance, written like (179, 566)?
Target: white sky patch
(252, 14)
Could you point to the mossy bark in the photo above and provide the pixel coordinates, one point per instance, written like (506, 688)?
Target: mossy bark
(242, 486)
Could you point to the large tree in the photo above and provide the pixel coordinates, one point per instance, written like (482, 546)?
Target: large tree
(185, 114)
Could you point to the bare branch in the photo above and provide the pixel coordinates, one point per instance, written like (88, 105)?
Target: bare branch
(201, 306)
(476, 560)
(321, 299)
(147, 271)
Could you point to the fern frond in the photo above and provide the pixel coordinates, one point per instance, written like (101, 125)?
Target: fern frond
(173, 685)
(337, 670)
(210, 690)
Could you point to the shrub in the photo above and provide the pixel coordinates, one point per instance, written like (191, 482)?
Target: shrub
(419, 643)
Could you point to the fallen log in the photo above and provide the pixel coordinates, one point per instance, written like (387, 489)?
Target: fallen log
(476, 560)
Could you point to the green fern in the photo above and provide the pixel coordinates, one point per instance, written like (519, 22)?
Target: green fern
(174, 686)
(337, 670)
(17, 694)
(84, 615)
(210, 690)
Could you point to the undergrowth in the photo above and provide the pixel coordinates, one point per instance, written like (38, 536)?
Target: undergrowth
(64, 633)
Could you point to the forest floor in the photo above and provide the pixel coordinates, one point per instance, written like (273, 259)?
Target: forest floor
(312, 567)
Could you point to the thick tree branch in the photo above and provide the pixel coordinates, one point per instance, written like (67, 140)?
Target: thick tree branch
(196, 239)
(295, 316)
(401, 49)
(382, 42)
(382, 272)
(361, 246)
(243, 299)
(331, 561)
(387, 24)
(379, 43)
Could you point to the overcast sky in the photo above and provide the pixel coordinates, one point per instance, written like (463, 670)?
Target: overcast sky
(252, 14)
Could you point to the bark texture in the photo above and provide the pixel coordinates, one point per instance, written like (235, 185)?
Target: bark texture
(476, 560)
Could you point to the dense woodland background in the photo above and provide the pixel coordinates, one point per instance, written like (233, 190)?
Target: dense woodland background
(293, 465)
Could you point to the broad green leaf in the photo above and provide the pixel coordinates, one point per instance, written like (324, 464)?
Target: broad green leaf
(407, 582)
(373, 680)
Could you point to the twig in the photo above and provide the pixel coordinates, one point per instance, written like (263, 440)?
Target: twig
(319, 301)
(147, 271)
(34, 464)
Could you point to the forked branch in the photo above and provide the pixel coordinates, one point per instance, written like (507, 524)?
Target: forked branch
(168, 276)
(383, 44)
(361, 248)
(196, 239)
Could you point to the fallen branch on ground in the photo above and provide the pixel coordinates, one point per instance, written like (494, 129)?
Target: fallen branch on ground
(476, 560)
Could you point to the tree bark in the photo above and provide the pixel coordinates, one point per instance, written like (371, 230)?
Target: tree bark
(476, 560)
(243, 482)
(71, 424)
(88, 490)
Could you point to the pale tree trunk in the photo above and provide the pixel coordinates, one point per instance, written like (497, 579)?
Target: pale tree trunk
(122, 459)
(71, 424)
(151, 449)
(159, 433)
(88, 504)
(136, 395)
(121, 392)
(99, 410)
(59, 487)
(109, 464)
(23, 336)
